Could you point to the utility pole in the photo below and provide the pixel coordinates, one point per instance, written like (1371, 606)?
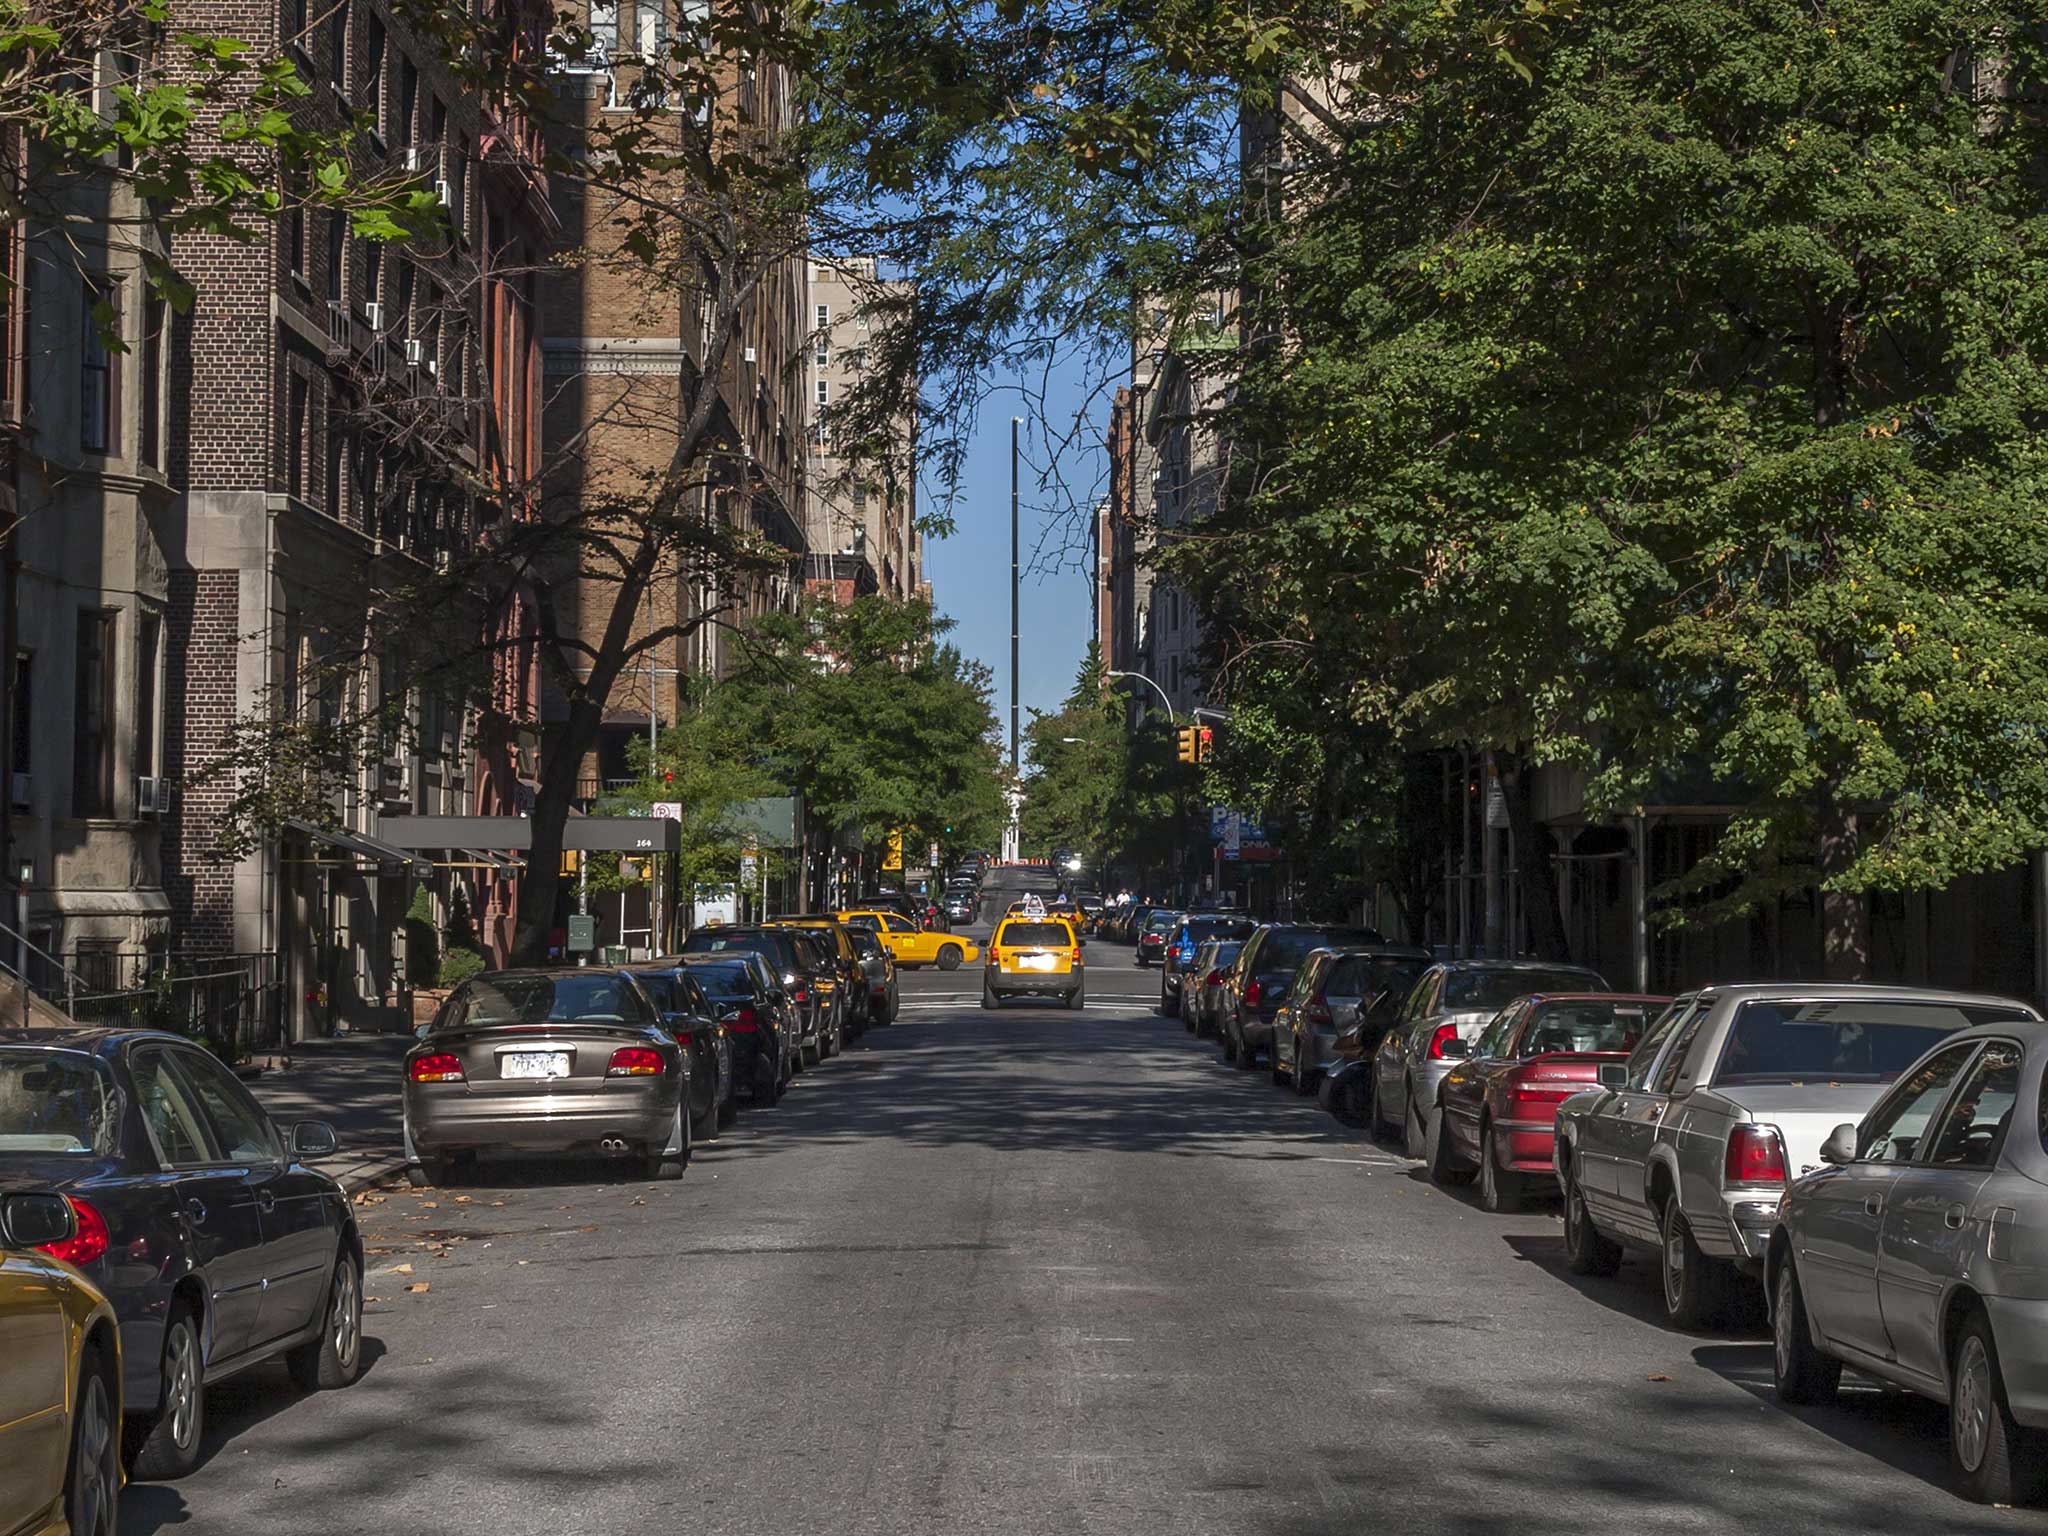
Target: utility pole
(1014, 421)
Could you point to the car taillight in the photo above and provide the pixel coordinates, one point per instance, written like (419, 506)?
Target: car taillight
(635, 1061)
(1445, 1033)
(440, 1067)
(1252, 993)
(801, 995)
(1074, 956)
(1317, 1012)
(1526, 1103)
(1755, 1156)
(744, 1022)
(1213, 979)
(88, 1242)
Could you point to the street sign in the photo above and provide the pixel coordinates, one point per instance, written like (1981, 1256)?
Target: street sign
(932, 854)
(582, 934)
(668, 810)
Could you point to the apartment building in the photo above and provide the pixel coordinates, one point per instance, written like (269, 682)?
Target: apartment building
(861, 510)
(350, 414)
(627, 357)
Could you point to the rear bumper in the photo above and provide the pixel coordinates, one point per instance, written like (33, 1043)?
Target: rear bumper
(1530, 1146)
(1025, 983)
(542, 1122)
(1257, 1028)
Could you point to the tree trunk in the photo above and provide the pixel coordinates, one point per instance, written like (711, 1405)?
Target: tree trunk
(1844, 915)
(1536, 871)
(540, 886)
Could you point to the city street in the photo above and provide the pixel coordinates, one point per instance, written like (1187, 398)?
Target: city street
(1021, 1273)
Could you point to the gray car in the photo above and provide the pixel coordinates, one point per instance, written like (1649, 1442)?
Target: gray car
(1325, 998)
(552, 1059)
(1914, 1256)
(1686, 1148)
(1448, 1008)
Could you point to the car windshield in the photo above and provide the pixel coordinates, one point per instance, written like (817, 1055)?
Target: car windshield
(1370, 975)
(601, 998)
(1485, 990)
(1840, 1039)
(56, 1101)
(1039, 935)
(1591, 1025)
(724, 979)
(1286, 948)
(1200, 928)
(712, 941)
(861, 922)
(1159, 922)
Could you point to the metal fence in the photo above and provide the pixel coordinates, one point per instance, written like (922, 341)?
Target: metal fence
(235, 1003)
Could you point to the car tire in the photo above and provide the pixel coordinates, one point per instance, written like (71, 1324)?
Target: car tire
(768, 1086)
(810, 1053)
(728, 1112)
(1167, 1008)
(1695, 1286)
(1376, 1125)
(1077, 999)
(663, 1165)
(1997, 1460)
(1247, 1053)
(92, 1479)
(333, 1358)
(1414, 1134)
(1500, 1189)
(988, 994)
(949, 957)
(1586, 1252)
(169, 1447)
(1804, 1374)
(1441, 1158)
(426, 1173)
(1225, 1044)
(1304, 1080)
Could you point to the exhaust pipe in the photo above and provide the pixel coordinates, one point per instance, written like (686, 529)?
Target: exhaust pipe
(612, 1146)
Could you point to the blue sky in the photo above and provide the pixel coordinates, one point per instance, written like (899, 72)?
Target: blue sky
(970, 571)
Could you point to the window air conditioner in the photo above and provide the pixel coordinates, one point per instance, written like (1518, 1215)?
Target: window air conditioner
(151, 796)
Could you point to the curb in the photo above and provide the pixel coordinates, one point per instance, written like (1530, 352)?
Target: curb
(370, 1173)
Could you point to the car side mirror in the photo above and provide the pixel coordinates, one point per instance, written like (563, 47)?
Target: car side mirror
(1840, 1147)
(314, 1138)
(1613, 1074)
(33, 1221)
(1454, 1049)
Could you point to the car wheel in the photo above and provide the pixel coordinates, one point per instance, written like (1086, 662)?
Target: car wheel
(427, 1172)
(728, 1112)
(1413, 1134)
(949, 957)
(1586, 1252)
(988, 994)
(170, 1446)
(1804, 1374)
(1380, 1128)
(809, 1053)
(768, 1085)
(704, 1127)
(1225, 1043)
(1694, 1285)
(663, 1164)
(1996, 1460)
(92, 1483)
(1443, 1162)
(1500, 1189)
(332, 1360)
(1304, 1080)
(1076, 998)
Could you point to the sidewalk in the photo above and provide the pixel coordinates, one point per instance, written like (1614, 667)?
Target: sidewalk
(352, 1084)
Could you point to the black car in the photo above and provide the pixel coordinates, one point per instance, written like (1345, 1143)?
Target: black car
(217, 1246)
(1178, 953)
(692, 1018)
(1152, 932)
(799, 964)
(759, 1021)
(1264, 968)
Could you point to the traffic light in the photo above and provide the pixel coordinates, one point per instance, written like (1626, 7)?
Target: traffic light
(1190, 743)
(1205, 743)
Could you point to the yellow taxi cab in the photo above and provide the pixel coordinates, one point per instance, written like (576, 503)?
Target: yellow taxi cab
(60, 1382)
(1034, 955)
(910, 944)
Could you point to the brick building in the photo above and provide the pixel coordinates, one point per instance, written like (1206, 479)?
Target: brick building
(860, 516)
(352, 413)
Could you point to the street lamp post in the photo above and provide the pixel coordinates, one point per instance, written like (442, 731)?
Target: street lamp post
(1171, 718)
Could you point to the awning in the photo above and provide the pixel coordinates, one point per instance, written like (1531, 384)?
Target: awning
(480, 858)
(389, 858)
(514, 834)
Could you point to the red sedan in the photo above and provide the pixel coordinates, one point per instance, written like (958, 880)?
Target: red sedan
(1496, 1113)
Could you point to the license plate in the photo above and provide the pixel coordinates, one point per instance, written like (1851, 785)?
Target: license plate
(1035, 963)
(534, 1064)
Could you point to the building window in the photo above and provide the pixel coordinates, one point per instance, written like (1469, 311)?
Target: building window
(604, 25)
(824, 391)
(148, 651)
(295, 233)
(458, 185)
(337, 455)
(373, 270)
(92, 782)
(21, 700)
(299, 402)
(823, 354)
(860, 321)
(337, 42)
(337, 242)
(860, 498)
(296, 11)
(155, 355)
(373, 75)
(97, 963)
(408, 102)
(99, 373)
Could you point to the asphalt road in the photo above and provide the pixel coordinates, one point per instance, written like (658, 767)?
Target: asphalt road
(1030, 1272)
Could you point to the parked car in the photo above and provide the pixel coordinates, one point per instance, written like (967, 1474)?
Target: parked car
(849, 976)
(1443, 1014)
(806, 974)
(1685, 1150)
(1203, 983)
(1346, 1089)
(1910, 1256)
(880, 967)
(1178, 954)
(1151, 935)
(761, 1024)
(1034, 956)
(1496, 1111)
(692, 1018)
(910, 944)
(1324, 999)
(247, 1253)
(550, 1059)
(60, 1386)
(1263, 969)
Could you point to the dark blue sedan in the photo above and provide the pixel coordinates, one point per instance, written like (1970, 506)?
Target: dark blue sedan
(218, 1248)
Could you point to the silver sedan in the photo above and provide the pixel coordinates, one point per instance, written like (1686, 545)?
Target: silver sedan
(1919, 1255)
